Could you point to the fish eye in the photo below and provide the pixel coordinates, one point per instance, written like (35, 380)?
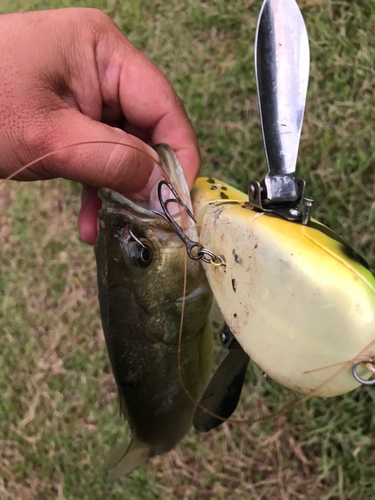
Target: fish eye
(144, 256)
(139, 254)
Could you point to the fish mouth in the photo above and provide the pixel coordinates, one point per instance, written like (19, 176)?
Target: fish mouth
(114, 202)
(149, 211)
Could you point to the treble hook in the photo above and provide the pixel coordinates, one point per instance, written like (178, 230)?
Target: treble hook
(200, 252)
(135, 238)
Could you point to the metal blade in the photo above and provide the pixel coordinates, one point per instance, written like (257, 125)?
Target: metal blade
(282, 60)
(224, 389)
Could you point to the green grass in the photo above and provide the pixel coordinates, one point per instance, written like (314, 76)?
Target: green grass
(58, 412)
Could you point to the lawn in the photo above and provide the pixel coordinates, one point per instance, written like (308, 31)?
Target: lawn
(58, 409)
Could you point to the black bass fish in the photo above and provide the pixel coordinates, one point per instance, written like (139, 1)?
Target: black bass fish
(141, 265)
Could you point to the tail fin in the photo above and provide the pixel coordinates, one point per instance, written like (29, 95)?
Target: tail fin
(124, 458)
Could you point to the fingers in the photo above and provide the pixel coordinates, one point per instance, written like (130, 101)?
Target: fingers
(106, 79)
(90, 205)
(106, 156)
(125, 164)
(64, 93)
(88, 215)
(147, 100)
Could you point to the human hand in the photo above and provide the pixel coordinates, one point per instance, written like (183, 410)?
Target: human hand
(71, 76)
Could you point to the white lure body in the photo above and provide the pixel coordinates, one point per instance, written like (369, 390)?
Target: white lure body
(296, 297)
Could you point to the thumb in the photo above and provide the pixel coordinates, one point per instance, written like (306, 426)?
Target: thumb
(107, 157)
(96, 154)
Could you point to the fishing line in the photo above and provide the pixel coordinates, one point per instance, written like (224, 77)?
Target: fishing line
(75, 144)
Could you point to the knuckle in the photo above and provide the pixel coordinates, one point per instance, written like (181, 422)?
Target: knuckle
(99, 22)
(178, 102)
(39, 139)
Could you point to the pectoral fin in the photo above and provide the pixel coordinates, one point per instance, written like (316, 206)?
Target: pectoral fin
(124, 458)
(223, 391)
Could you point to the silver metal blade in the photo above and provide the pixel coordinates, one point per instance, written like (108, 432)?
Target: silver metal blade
(282, 60)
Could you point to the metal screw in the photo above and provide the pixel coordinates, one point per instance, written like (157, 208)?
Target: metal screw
(223, 337)
(252, 189)
(307, 210)
(294, 212)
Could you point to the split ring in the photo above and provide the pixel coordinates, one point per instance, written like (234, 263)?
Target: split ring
(360, 379)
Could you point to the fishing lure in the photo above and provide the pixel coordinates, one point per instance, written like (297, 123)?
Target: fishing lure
(294, 295)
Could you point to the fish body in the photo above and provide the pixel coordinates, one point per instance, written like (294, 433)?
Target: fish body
(141, 265)
(296, 297)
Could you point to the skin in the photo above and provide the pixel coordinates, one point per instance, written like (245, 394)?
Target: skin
(70, 75)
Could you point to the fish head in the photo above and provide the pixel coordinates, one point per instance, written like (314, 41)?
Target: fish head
(142, 260)
(140, 249)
